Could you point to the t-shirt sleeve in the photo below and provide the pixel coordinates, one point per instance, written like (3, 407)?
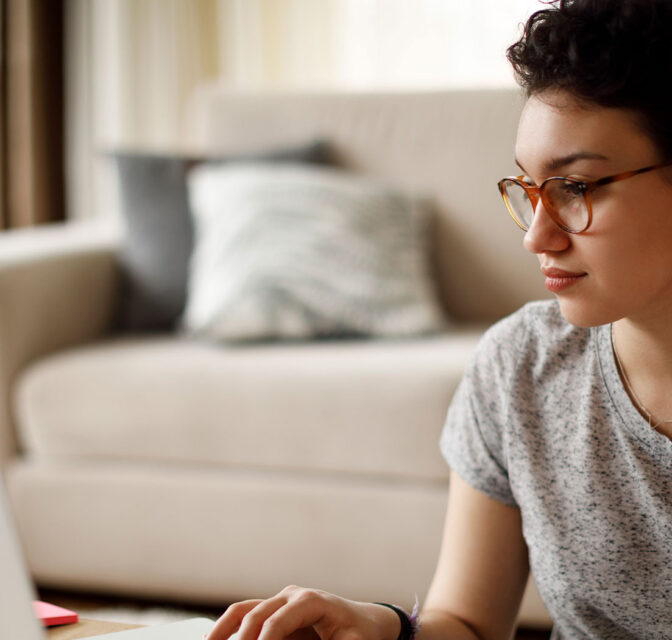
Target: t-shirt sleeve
(474, 438)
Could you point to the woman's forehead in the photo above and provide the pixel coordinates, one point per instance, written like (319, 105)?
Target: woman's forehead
(556, 126)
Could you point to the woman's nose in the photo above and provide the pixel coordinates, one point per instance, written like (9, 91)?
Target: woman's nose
(544, 234)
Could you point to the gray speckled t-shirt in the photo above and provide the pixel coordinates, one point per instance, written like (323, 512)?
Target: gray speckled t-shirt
(542, 421)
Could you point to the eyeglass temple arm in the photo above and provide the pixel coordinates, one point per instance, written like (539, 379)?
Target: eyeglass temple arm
(627, 174)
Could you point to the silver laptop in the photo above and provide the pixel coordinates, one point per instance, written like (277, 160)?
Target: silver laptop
(17, 619)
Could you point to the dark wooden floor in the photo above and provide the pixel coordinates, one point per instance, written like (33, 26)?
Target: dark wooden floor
(85, 603)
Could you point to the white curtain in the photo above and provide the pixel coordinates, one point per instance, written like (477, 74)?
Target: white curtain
(132, 64)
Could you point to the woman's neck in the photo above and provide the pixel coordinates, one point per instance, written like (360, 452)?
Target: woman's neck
(644, 353)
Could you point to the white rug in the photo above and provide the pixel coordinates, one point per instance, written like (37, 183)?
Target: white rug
(139, 615)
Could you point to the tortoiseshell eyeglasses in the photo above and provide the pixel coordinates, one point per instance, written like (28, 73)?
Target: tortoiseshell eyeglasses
(567, 200)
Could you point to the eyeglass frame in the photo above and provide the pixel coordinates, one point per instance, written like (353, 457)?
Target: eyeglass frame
(535, 193)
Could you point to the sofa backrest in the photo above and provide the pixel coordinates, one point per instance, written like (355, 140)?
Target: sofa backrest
(452, 146)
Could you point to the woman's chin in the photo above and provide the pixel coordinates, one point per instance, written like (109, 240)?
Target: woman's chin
(585, 314)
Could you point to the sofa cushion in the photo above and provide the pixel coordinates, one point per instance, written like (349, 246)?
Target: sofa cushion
(297, 251)
(365, 407)
(158, 241)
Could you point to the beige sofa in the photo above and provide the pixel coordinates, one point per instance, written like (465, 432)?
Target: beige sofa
(164, 467)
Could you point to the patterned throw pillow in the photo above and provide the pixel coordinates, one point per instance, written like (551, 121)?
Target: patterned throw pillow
(158, 242)
(290, 251)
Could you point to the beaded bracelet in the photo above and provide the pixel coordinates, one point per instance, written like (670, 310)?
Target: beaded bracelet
(410, 624)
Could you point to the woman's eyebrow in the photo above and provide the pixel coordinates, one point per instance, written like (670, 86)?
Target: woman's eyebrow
(555, 164)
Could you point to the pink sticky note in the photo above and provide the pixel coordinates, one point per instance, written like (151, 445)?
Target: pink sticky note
(52, 615)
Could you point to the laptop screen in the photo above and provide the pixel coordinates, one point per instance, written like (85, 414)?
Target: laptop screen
(17, 619)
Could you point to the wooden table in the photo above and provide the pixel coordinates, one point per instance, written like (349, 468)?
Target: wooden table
(85, 628)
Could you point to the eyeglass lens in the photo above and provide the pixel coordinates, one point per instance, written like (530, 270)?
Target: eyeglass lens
(564, 199)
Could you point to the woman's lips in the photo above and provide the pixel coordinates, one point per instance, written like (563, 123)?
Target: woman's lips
(558, 279)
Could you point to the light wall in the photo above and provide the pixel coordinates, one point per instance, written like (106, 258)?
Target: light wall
(132, 64)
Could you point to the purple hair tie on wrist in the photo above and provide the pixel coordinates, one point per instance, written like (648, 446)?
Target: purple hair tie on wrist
(410, 624)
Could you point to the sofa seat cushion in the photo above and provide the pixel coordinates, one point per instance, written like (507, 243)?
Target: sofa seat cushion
(364, 407)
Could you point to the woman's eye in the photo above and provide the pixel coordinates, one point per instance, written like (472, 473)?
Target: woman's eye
(573, 188)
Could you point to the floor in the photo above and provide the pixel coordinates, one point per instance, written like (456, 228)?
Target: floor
(133, 611)
(147, 612)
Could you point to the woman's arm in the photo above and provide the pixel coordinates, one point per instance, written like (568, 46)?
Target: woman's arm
(475, 594)
(482, 570)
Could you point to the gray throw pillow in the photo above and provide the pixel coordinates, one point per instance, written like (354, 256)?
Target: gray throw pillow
(298, 252)
(159, 235)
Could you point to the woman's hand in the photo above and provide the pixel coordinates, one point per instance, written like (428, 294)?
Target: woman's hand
(306, 614)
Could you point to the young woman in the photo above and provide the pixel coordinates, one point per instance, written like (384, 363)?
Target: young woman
(560, 435)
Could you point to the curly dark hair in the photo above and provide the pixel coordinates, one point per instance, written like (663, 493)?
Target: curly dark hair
(611, 53)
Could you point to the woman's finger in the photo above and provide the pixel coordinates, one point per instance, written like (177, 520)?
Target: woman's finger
(303, 609)
(254, 621)
(230, 620)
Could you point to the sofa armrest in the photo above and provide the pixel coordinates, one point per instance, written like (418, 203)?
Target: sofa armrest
(58, 286)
